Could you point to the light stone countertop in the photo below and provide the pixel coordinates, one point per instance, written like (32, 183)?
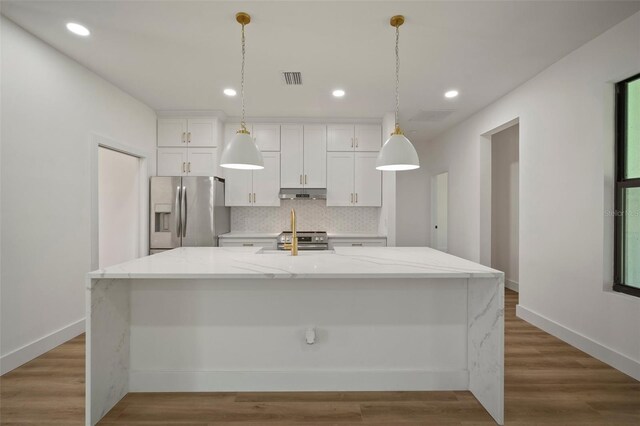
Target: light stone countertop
(253, 262)
(275, 235)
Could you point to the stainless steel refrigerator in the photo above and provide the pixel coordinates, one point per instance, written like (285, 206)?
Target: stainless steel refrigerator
(186, 212)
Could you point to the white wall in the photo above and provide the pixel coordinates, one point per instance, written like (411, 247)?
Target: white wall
(119, 207)
(504, 204)
(50, 105)
(566, 185)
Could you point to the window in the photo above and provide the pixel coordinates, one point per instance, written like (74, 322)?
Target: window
(627, 198)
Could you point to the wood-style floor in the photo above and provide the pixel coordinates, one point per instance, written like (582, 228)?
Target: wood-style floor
(547, 383)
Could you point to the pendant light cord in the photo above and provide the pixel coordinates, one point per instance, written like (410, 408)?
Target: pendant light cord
(242, 123)
(397, 73)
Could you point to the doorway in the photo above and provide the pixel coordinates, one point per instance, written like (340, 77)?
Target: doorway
(440, 211)
(505, 184)
(119, 202)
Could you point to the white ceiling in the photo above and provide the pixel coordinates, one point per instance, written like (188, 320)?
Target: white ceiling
(180, 55)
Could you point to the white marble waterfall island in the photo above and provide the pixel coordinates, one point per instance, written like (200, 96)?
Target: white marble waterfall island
(234, 319)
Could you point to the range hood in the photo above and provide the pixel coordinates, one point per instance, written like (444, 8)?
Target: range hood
(303, 194)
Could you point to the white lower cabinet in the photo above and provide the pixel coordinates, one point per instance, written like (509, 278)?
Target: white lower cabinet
(265, 243)
(254, 188)
(187, 162)
(352, 179)
(357, 242)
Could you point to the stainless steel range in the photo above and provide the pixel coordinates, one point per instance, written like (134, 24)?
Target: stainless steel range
(311, 240)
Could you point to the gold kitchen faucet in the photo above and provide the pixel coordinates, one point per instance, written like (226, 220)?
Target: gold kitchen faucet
(293, 247)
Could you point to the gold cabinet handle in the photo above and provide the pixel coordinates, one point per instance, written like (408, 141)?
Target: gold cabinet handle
(249, 198)
(356, 142)
(254, 197)
(352, 198)
(356, 197)
(189, 167)
(184, 167)
(351, 142)
(300, 179)
(189, 137)
(183, 137)
(305, 179)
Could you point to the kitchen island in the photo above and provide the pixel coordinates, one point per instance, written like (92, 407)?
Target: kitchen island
(246, 319)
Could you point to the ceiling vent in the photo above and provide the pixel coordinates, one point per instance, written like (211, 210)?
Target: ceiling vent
(432, 115)
(292, 78)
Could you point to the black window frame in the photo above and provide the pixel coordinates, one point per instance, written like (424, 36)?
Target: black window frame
(621, 184)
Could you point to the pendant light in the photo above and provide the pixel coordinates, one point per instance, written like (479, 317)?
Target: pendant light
(241, 152)
(397, 153)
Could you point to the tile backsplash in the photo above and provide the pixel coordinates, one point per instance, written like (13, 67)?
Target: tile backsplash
(312, 215)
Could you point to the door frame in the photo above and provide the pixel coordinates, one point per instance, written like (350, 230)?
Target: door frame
(485, 189)
(434, 210)
(144, 157)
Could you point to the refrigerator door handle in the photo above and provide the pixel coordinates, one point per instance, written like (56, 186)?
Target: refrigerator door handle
(177, 210)
(184, 211)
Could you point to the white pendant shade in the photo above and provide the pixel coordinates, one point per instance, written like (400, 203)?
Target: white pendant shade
(397, 153)
(241, 153)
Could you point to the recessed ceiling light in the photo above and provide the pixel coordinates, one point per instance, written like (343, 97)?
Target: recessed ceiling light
(78, 29)
(451, 94)
(338, 93)
(229, 92)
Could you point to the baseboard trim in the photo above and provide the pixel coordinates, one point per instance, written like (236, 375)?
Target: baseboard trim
(20, 356)
(512, 285)
(265, 381)
(607, 355)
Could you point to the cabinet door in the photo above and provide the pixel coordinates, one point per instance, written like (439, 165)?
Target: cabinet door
(172, 161)
(368, 137)
(202, 131)
(202, 161)
(368, 180)
(238, 189)
(340, 137)
(267, 136)
(172, 132)
(265, 243)
(266, 182)
(291, 156)
(315, 156)
(340, 179)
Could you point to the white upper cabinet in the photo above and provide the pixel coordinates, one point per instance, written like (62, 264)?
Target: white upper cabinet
(352, 179)
(304, 156)
(202, 132)
(187, 162)
(267, 136)
(266, 182)
(368, 137)
(172, 161)
(340, 177)
(358, 137)
(172, 132)
(238, 188)
(254, 188)
(367, 180)
(181, 132)
(202, 161)
(292, 156)
(340, 137)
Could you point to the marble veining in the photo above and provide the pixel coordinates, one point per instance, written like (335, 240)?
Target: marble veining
(253, 262)
(185, 270)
